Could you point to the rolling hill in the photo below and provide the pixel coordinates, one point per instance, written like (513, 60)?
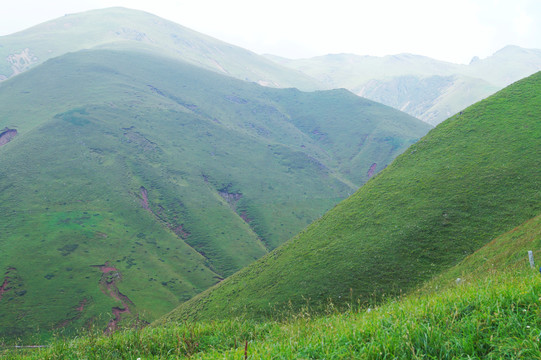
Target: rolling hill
(491, 311)
(428, 89)
(475, 176)
(126, 29)
(129, 182)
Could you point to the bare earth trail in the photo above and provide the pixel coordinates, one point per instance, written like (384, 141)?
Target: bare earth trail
(108, 285)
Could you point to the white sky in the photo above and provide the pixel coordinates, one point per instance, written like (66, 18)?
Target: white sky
(451, 30)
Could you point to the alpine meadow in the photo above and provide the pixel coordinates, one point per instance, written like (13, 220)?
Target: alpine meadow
(165, 195)
(134, 181)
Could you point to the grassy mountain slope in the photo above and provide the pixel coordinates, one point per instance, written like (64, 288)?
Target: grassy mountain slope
(494, 314)
(507, 252)
(133, 182)
(473, 177)
(428, 89)
(126, 29)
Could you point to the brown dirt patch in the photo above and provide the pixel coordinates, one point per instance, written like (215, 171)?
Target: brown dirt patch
(372, 170)
(7, 135)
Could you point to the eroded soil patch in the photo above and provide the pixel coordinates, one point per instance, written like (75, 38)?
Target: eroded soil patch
(108, 285)
(12, 283)
(7, 135)
(372, 170)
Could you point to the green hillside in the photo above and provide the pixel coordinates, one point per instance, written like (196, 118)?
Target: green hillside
(126, 29)
(473, 177)
(507, 252)
(131, 182)
(426, 88)
(492, 314)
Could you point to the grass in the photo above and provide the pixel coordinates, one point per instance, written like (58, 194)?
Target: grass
(71, 180)
(492, 313)
(494, 317)
(470, 179)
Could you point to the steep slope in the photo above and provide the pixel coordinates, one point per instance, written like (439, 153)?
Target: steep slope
(131, 182)
(493, 313)
(473, 177)
(506, 252)
(428, 89)
(126, 29)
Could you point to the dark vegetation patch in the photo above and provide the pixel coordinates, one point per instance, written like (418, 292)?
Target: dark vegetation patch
(76, 117)
(68, 249)
(139, 139)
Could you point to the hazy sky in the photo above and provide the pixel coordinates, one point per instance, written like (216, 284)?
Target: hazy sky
(452, 30)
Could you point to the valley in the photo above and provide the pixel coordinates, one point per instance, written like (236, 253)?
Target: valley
(164, 194)
(176, 178)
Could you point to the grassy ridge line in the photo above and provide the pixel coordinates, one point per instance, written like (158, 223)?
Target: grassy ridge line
(126, 29)
(492, 317)
(473, 177)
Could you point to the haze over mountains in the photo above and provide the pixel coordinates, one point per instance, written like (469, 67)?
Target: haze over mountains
(425, 88)
(132, 177)
(428, 89)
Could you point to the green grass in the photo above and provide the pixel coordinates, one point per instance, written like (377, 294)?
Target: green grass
(473, 177)
(493, 317)
(492, 313)
(506, 252)
(96, 126)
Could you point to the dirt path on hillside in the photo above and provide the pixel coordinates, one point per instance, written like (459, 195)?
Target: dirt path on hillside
(108, 285)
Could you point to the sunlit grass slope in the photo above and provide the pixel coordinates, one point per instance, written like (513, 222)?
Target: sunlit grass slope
(473, 177)
(491, 315)
(174, 176)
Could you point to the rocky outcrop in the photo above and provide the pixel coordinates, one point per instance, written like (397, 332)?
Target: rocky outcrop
(21, 61)
(230, 198)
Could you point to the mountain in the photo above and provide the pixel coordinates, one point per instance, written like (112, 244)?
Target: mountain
(428, 89)
(491, 314)
(129, 182)
(472, 178)
(126, 29)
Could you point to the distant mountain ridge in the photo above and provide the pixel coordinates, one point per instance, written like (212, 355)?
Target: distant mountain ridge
(428, 89)
(121, 28)
(425, 88)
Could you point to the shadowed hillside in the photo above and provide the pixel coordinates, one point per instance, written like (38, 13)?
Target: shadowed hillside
(470, 179)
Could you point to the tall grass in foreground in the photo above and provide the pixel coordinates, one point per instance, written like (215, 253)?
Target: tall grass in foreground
(493, 318)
